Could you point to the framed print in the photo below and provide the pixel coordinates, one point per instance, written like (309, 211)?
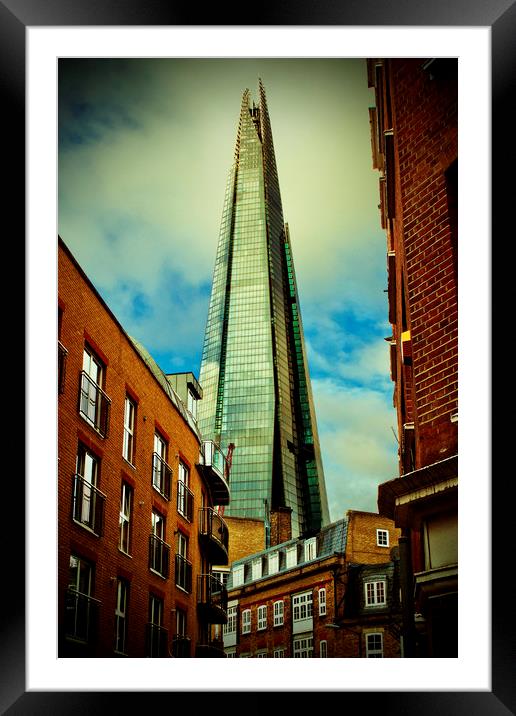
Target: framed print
(35, 35)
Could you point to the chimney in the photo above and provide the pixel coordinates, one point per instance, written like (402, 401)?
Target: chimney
(281, 525)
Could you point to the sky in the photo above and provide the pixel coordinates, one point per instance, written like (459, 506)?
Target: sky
(145, 147)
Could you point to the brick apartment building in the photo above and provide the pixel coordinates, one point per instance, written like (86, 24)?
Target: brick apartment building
(331, 595)
(414, 145)
(137, 487)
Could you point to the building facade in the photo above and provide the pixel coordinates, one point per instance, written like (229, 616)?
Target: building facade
(414, 142)
(254, 370)
(335, 594)
(138, 528)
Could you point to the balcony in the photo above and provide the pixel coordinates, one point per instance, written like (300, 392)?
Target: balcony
(87, 505)
(212, 465)
(81, 616)
(214, 534)
(211, 649)
(159, 556)
(185, 501)
(183, 573)
(212, 599)
(181, 647)
(161, 474)
(94, 404)
(156, 640)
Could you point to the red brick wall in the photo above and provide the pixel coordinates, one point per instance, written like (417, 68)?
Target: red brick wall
(84, 314)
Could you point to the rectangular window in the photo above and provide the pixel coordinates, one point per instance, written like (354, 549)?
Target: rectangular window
(238, 575)
(256, 568)
(231, 625)
(80, 605)
(93, 402)
(88, 501)
(375, 593)
(323, 649)
(180, 622)
(157, 636)
(184, 495)
(246, 621)
(262, 617)
(126, 501)
(310, 549)
(279, 653)
(374, 646)
(302, 606)
(129, 422)
(279, 610)
(303, 646)
(261, 654)
(322, 602)
(291, 556)
(160, 470)
(183, 566)
(274, 563)
(159, 551)
(122, 590)
(382, 538)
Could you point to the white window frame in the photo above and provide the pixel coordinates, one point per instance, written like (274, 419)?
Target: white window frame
(126, 499)
(322, 601)
(310, 548)
(230, 626)
(122, 590)
(302, 606)
(129, 420)
(256, 568)
(183, 485)
(291, 556)
(373, 651)
(158, 466)
(262, 654)
(323, 649)
(278, 612)
(238, 575)
(375, 591)
(303, 646)
(262, 617)
(279, 653)
(382, 538)
(246, 621)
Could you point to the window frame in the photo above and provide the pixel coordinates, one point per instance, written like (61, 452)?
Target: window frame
(125, 517)
(245, 624)
(302, 601)
(374, 652)
(380, 535)
(375, 595)
(128, 443)
(262, 617)
(122, 589)
(322, 601)
(278, 611)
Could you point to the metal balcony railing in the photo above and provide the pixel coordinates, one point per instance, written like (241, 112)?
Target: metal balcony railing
(213, 466)
(81, 616)
(161, 474)
(87, 504)
(181, 646)
(185, 500)
(94, 404)
(183, 573)
(214, 457)
(156, 640)
(159, 556)
(211, 593)
(213, 527)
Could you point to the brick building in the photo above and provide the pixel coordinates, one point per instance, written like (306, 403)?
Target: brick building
(414, 145)
(334, 594)
(138, 531)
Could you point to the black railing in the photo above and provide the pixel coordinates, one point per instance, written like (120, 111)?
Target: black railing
(211, 592)
(183, 573)
(161, 473)
(88, 504)
(81, 616)
(181, 646)
(213, 526)
(156, 640)
(159, 555)
(94, 404)
(185, 501)
(62, 355)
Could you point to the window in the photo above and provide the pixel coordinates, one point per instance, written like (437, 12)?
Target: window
(158, 548)
(126, 501)
(160, 470)
(122, 590)
(192, 403)
(261, 654)
(322, 602)
(238, 575)
(323, 649)
(93, 402)
(231, 625)
(375, 593)
(88, 502)
(246, 621)
(184, 496)
(274, 563)
(374, 645)
(382, 538)
(256, 568)
(279, 610)
(180, 622)
(291, 555)
(156, 635)
(262, 617)
(183, 566)
(303, 646)
(80, 605)
(129, 422)
(310, 549)
(302, 606)
(231, 653)
(279, 653)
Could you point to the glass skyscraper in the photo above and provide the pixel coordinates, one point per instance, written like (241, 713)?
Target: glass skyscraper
(254, 373)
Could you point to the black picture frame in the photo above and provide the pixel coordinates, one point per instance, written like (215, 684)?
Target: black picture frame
(500, 16)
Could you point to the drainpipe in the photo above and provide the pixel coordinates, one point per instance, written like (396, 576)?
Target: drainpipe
(407, 595)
